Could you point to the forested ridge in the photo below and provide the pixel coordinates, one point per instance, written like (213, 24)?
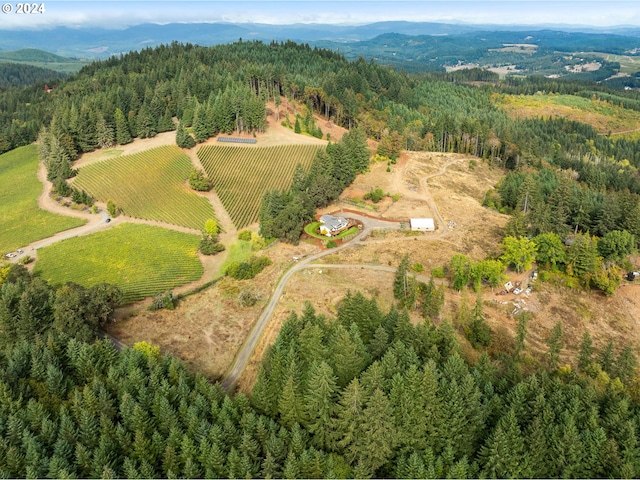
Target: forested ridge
(363, 394)
(16, 75)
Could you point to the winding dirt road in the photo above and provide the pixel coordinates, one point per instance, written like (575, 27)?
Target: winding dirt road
(370, 224)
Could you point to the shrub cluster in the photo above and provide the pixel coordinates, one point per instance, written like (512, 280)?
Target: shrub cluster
(249, 269)
(210, 245)
(199, 182)
(375, 195)
(164, 300)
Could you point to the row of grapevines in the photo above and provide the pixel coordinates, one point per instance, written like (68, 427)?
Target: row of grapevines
(149, 185)
(242, 175)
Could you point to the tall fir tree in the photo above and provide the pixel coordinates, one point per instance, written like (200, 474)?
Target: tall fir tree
(123, 134)
(319, 403)
(183, 139)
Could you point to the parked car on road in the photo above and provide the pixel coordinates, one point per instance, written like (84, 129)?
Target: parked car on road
(107, 220)
(20, 251)
(10, 255)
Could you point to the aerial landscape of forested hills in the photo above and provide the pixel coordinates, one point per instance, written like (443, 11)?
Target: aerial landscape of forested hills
(170, 308)
(413, 46)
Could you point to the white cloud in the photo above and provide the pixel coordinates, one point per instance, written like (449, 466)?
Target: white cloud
(118, 14)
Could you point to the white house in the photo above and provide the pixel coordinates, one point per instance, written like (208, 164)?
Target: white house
(422, 224)
(331, 225)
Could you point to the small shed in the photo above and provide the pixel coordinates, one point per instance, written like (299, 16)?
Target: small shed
(422, 224)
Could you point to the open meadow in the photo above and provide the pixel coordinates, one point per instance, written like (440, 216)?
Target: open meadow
(21, 221)
(242, 175)
(603, 116)
(142, 260)
(150, 185)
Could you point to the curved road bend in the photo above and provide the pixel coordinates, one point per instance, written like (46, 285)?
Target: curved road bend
(242, 358)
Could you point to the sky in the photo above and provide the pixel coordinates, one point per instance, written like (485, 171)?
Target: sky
(121, 14)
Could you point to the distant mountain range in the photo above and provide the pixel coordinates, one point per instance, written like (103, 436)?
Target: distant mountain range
(589, 53)
(101, 43)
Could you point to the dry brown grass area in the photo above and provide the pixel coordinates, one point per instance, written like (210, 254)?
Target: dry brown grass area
(605, 318)
(324, 288)
(207, 329)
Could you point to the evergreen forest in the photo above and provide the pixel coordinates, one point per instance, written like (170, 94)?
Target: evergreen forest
(364, 394)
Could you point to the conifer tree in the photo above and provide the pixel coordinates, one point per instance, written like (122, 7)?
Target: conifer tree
(478, 331)
(166, 122)
(379, 343)
(290, 405)
(504, 454)
(401, 281)
(200, 129)
(379, 435)
(269, 468)
(183, 139)
(348, 420)
(606, 358)
(555, 344)
(145, 123)
(319, 403)
(585, 354)
(123, 135)
(626, 364)
(105, 136)
(348, 354)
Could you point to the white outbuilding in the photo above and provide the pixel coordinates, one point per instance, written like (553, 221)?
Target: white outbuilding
(422, 224)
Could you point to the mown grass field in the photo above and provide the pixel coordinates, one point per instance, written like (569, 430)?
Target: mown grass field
(21, 221)
(149, 185)
(142, 260)
(603, 116)
(242, 175)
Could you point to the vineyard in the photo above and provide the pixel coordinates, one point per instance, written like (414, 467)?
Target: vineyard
(149, 185)
(21, 221)
(140, 259)
(241, 176)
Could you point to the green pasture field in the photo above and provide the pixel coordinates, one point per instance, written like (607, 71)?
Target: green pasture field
(242, 175)
(21, 221)
(149, 185)
(142, 260)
